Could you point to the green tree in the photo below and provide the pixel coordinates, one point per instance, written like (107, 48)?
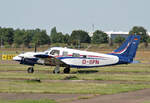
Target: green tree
(148, 40)
(99, 37)
(18, 37)
(1, 37)
(7, 35)
(60, 37)
(40, 37)
(27, 37)
(119, 40)
(81, 36)
(66, 38)
(139, 30)
(53, 35)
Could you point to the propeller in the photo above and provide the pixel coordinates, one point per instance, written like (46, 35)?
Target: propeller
(22, 60)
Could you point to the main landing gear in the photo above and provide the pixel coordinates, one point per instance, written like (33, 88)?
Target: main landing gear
(57, 70)
(30, 70)
(67, 70)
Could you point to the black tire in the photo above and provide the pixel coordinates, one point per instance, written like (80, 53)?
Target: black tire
(30, 70)
(67, 70)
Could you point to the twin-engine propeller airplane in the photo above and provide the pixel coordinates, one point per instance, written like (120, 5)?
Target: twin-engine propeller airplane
(71, 58)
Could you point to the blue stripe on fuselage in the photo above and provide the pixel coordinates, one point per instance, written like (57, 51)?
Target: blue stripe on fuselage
(78, 58)
(75, 66)
(121, 61)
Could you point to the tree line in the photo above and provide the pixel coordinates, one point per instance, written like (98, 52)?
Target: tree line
(9, 36)
(18, 37)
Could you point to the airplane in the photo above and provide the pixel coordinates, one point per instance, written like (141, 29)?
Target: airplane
(72, 58)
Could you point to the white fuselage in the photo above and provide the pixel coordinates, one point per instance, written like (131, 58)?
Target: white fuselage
(72, 57)
(78, 58)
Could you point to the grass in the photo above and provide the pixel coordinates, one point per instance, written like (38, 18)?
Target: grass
(130, 68)
(28, 101)
(20, 82)
(68, 87)
(94, 76)
(122, 78)
(146, 102)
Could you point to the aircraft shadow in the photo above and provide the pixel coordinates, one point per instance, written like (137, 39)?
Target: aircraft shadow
(86, 71)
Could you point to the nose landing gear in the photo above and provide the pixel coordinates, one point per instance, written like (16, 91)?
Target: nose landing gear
(30, 70)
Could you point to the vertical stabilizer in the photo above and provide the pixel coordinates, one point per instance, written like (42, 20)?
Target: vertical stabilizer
(128, 49)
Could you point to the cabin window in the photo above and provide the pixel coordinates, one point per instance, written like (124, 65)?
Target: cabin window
(55, 52)
(46, 53)
(84, 56)
(65, 53)
(76, 55)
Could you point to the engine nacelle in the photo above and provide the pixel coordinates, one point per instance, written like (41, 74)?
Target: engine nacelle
(29, 61)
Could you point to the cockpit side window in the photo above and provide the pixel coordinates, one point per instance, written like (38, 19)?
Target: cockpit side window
(55, 52)
(76, 55)
(46, 52)
(84, 56)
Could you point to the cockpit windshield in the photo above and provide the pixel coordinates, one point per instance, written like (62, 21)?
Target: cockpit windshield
(55, 52)
(47, 51)
(52, 52)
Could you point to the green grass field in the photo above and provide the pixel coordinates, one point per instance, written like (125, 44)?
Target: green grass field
(147, 102)
(104, 80)
(23, 82)
(67, 87)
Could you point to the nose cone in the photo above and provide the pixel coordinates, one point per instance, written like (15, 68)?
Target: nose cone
(17, 58)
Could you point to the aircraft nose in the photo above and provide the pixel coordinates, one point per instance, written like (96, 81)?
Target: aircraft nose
(17, 58)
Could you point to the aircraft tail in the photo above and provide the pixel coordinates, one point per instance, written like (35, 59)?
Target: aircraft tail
(127, 51)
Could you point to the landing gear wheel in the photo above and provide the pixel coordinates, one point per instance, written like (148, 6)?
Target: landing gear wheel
(67, 70)
(56, 72)
(30, 70)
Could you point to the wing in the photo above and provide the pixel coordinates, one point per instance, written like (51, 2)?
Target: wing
(49, 60)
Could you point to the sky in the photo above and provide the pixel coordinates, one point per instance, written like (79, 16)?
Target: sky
(69, 15)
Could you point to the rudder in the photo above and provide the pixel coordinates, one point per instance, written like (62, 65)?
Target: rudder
(128, 48)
